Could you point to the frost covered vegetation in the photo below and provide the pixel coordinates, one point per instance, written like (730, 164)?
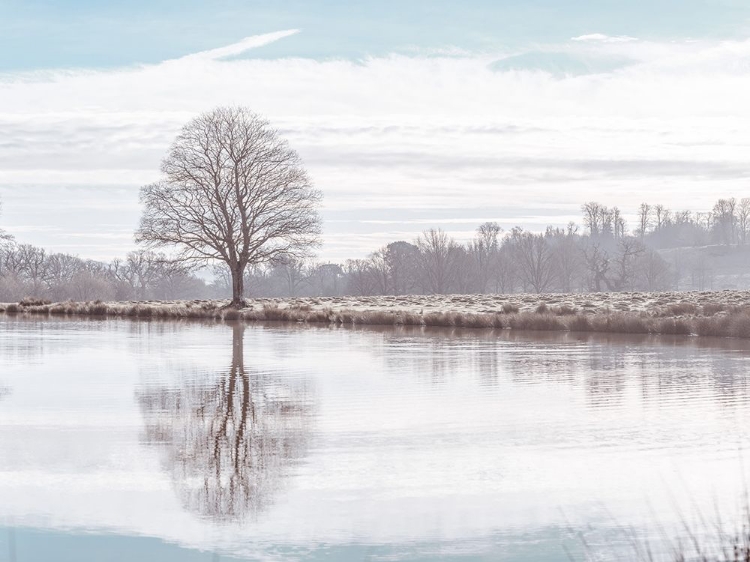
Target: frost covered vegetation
(722, 314)
(664, 251)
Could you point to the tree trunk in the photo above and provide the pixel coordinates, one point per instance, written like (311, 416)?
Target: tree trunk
(238, 287)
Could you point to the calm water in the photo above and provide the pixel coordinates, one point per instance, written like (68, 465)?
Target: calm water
(127, 441)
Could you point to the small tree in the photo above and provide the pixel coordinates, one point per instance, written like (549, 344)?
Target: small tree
(233, 191)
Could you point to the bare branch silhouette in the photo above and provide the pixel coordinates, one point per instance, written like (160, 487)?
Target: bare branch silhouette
(228, 445)
(233, 191)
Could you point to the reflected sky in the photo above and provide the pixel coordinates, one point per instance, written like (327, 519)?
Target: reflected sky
(196, 441)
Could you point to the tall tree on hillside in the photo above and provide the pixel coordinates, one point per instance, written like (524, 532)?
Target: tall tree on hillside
(594, 217)
(644, 219)
(232, 191)
(662, 216)
(725, 220)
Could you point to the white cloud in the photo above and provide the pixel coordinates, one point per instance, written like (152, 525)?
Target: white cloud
(409, 133)
(601, 38)
(242, 46)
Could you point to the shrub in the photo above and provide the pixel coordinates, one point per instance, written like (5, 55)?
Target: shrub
(682, 308)
(674, 327)
(475, 321)
(536, 321)
(34, 301)
(98, 308)
(741, 326)
(231, 314)
(445, 319)
(711, 308)
(580, 323)
(411, 319)
(716, 326)
(325, 315)
(564, 310)
(623, 323)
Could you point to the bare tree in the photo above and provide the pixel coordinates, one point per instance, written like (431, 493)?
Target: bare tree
(232, 191)
(644, 219)
(381, 271)
(175, 281)
(628, 252)
(662, 215)
(144, 268)
(33, 266)
(293, 271)
(534, 260)
(438, 254)
(484, 251)
(506, 273)
(403, 262)
(724, 220)
(743, 219)
(598, 263)
(60, 271)
(619, 226)
(594, 217)
(361, 280)
(567, 258)
(653, 271)
(325, 278)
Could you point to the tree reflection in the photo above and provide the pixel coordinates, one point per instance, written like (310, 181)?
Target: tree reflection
(228, 445)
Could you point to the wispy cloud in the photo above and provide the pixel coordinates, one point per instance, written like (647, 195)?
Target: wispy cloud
(243, 46)
(601, 38)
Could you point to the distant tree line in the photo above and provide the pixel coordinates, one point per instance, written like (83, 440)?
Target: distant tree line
(604, 254)
(27, 270)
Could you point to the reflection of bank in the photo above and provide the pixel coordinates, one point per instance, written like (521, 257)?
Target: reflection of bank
(228, 443)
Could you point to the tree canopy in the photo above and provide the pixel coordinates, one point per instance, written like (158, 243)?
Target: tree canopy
(232, 190)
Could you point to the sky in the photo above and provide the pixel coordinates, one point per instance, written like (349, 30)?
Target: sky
(408, 115)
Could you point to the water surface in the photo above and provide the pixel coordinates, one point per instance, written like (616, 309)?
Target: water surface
(125, 440)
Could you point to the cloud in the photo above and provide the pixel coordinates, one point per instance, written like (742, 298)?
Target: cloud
(601, 38)
(409, 133)
(241, 46)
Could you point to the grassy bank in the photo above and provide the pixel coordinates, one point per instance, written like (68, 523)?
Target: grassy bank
(720, 314)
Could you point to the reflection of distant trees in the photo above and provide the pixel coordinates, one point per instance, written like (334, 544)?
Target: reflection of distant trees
(228, 444)
(437, 354)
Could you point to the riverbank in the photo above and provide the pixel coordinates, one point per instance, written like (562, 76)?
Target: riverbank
(717, 313)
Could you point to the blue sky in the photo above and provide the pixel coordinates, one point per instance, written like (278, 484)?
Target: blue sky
(88, 33)
(408, 115)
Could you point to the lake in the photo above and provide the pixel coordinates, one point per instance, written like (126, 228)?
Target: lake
(133, 440)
